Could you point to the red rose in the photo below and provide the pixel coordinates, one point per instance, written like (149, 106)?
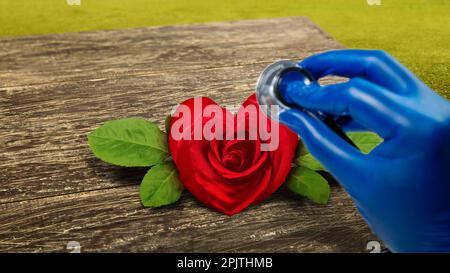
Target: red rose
(229, 173)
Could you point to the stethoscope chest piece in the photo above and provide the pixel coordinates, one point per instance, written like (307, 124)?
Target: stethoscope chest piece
(268, 91)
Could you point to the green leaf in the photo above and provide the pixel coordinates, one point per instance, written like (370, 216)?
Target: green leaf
(366, 141)
(160, 186)
(131, 142)
(305, 159)
(308, 183)
(300, 150)
(310, 162)
(167, 123)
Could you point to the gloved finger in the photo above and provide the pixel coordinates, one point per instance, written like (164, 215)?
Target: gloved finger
(366, 103)
(373, 65)
(338, 157)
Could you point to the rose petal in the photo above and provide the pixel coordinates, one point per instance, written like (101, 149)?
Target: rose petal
(229, 175)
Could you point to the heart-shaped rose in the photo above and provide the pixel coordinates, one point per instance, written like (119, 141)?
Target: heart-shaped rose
(221, 169)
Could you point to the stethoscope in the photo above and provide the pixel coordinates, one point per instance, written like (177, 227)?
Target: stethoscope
(269, 93)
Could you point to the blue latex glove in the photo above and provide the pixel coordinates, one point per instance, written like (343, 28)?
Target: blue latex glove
(402, 188)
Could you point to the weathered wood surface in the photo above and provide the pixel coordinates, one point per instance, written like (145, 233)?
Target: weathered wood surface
(55, 89)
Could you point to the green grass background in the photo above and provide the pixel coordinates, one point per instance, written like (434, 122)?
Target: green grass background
(415, 31)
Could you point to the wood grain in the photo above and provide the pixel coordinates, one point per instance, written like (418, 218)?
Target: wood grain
(54, 89)
(113, 220)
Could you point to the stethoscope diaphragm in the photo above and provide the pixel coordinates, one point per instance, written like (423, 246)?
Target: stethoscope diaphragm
(268, 92)
(270, 96)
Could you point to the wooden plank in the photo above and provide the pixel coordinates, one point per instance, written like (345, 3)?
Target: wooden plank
(161, 50)
(114, 221)
(55, 89)
(44, 151)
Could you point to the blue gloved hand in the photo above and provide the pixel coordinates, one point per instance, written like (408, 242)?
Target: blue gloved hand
(401, 188)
